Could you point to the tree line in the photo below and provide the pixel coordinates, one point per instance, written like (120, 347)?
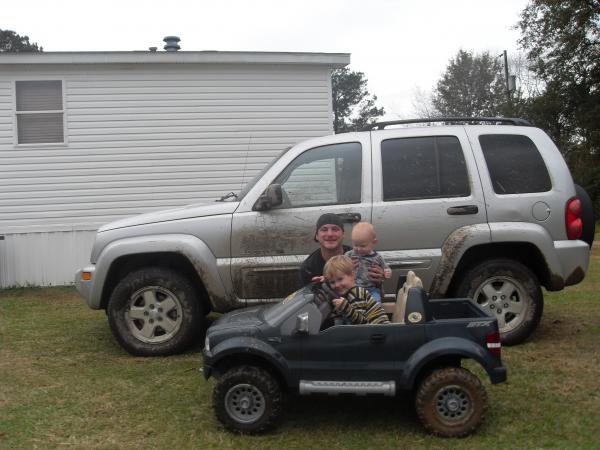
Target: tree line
(557, 89)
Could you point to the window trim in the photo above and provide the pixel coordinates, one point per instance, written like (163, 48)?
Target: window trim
(15, 114)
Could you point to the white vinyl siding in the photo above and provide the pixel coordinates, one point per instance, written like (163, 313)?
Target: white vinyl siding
(145, 138)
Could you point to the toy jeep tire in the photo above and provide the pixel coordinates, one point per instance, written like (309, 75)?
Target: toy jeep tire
(247, 399)
(451, 402)
(154, 312)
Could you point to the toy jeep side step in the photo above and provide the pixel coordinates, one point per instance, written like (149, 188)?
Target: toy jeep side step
(387, 388)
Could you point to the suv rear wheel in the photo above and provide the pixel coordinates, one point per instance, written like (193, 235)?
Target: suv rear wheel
(509, 291)
(154, 312)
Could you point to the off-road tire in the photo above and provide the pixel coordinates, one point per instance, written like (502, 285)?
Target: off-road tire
(519, 313)
(451, 402)
(247, 400)
(136, 301)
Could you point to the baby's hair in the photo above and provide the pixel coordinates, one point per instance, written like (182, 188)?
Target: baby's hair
(338, 264)
(364, 227)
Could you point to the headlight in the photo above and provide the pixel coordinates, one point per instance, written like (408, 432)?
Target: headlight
(207, 344)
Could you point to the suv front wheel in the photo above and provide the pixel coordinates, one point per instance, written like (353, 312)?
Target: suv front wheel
(154, 312)
(509, 291)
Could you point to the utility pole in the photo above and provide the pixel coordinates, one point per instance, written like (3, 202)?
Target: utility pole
(506, 76)
(510, 82)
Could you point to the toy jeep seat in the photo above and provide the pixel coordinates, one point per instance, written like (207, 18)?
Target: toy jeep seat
(417, 306)
(400, 311)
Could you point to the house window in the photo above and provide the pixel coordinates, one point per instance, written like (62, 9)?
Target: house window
(39, 112)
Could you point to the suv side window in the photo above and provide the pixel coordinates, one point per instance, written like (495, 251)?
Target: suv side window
(327, 175)
(423, 167)
(515, 164)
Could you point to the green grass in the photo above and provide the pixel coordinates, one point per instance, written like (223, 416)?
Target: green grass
(65, 383)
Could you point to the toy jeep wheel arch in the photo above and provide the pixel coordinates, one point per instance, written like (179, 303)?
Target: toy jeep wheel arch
(451, 402)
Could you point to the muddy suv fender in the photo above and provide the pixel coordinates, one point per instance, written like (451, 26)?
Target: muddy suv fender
(105, 272)
(503, 271)
(558, 266)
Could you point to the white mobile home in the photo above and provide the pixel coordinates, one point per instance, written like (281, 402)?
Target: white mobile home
(87, 138)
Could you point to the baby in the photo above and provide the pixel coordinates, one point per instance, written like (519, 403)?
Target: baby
(363, 241)
(355, 305)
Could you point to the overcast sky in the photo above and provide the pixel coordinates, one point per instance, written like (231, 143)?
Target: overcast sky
(400, 45)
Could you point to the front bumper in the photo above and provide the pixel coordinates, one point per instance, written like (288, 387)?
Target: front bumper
(85, 287)
(207, 368)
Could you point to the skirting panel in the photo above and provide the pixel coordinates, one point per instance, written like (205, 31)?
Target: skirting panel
(43, 259)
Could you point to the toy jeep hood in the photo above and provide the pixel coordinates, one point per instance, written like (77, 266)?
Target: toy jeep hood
(239, 318)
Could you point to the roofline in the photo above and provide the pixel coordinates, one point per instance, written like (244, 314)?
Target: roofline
(334, 60)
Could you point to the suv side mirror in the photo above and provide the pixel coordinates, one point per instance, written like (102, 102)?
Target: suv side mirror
(302, 323)
(270, 198)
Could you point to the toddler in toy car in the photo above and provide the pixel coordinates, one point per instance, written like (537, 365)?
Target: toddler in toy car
(355, 304)
(363, 243)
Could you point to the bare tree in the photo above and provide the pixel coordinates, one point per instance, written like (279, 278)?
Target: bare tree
(422, 104)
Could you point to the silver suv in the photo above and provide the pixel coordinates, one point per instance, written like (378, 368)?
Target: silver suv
(487, 211)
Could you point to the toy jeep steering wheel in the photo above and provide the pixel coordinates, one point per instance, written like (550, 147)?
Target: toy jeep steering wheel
(324, 294)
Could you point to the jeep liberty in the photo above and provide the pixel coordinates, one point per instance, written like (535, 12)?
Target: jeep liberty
(483, 208)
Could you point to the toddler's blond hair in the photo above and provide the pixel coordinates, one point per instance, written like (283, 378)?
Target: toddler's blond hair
(338, 264)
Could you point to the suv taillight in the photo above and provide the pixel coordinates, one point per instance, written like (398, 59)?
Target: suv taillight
(573, 220)
(493, 343)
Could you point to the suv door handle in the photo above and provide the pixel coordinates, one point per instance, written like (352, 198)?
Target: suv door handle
(462, 210)
(377, 338)
(350, 217)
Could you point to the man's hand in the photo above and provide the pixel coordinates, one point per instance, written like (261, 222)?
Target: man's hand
(337, 302)
(376, 274)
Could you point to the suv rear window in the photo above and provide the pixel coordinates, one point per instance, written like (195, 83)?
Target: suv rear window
(423, 167)
(515, 164)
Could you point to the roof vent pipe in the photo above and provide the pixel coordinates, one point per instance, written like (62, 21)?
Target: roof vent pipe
(171, 43)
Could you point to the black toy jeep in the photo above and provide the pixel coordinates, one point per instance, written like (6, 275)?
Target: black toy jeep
(259, 352)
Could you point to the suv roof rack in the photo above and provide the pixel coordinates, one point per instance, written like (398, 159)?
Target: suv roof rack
(505, 120)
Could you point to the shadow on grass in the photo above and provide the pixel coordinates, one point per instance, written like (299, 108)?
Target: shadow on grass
(95, 336)
(360, 414)
(558, 328)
